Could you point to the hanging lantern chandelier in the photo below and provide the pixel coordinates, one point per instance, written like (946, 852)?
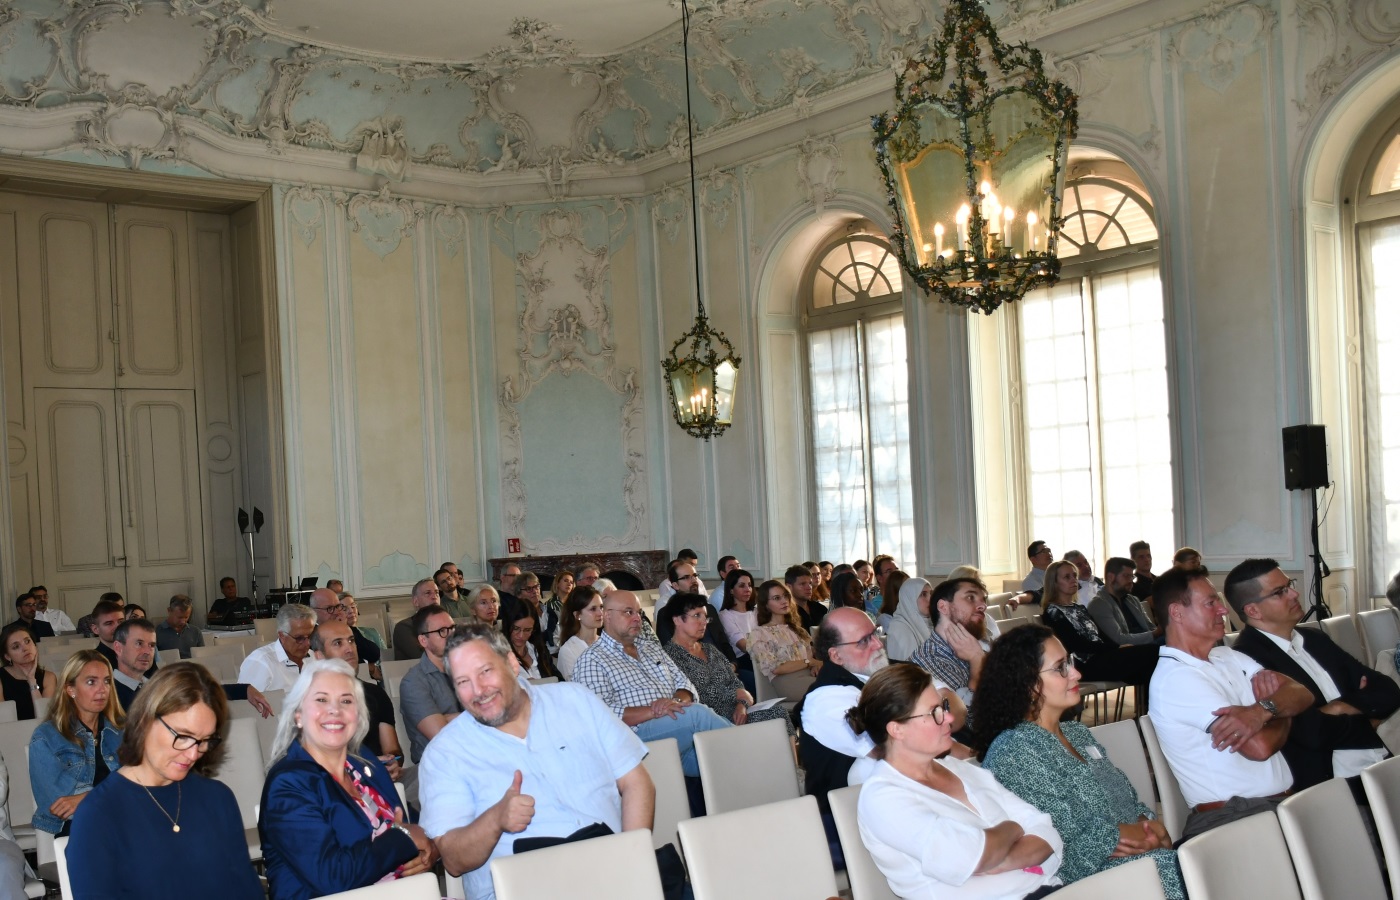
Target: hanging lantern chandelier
(702, 382)
(973, 163)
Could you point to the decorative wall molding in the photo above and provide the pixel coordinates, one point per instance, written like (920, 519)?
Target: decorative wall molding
(1216, 42)
(382, 221)
(819, 167)
(1338, 38)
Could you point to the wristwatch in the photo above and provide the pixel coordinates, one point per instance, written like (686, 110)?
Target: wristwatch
(1270, 707)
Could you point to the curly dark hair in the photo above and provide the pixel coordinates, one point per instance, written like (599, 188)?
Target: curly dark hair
(1009, 691)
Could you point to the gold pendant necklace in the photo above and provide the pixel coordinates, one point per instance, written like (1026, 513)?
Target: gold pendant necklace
(179, 801)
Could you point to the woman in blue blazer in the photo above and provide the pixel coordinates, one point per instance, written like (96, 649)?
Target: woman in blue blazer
(330, 818)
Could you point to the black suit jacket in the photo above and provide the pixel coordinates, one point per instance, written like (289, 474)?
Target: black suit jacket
(1314, 735)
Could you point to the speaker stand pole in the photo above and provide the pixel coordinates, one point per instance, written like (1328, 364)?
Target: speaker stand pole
(253, 572)
(1319, 606)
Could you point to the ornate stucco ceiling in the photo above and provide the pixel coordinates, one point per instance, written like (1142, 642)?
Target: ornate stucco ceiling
(469, 30)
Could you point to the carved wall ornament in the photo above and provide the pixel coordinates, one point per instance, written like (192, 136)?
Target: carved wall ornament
(1337, 38)
(381, 220)
(450, 227)
(819, 167)
(719, 191)
(531, 45)
(1217, 41)
(670, 209)
(384, 150)
(306, 214)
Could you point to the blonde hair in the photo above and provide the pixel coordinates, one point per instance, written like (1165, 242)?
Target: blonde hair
(1052, 591)
(63, 711)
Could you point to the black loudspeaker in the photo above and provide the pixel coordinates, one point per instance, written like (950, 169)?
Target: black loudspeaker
(1304, 457)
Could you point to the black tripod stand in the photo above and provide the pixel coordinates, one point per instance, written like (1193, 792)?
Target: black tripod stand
(1320, 571)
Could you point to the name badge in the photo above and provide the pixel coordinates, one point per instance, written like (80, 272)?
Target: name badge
(1093, 753)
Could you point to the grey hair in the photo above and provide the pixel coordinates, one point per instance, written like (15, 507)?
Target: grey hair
(480, 589)
(289, 731)
(476, 631)
(1074, 556)
(293, 612)
(965, 572)
(604, 586)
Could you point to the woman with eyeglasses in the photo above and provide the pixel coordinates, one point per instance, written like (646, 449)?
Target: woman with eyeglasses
(1099, 660)
(1029, 683)
(520, 631)
(331, 819)
(937, 827)
(583, 619)
(161, 804)
(708, 669)
(75, 748)
(781, 647)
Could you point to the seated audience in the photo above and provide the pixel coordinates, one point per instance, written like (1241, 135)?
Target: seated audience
(27, 608)
(559, 591)
(990, 626)
(821, 587)
(665, 589)
(484, 605)
(1188, 558)
(1119, 615)
(139, 813)
(956, 647)
(107, 616)
(685, 582)
(800, 585)
(584, 767)
(943, 828)
(520, 631)
(713, 675)
(737, 617)
(449, 596)
(889, 597)
(331, 608)
(725, 565)
(362, 632)
(51, 614)
(275, 666)
(582, 621)
(135, 612)
(1336, 736)
(640, 684)
(505, 595)
(1089, 585)
(426, 699)
(1221, 717)
(909, 627)
(135, 643)
(333, 640)
(1041, 556)
(176, 632)
(1140, 552)
(1028, 686)
(406, 645)
(847, 590)
(529, 598)
(330, 816)
(23, 678)
(1098, 659)
(780, 645)
(75, 748)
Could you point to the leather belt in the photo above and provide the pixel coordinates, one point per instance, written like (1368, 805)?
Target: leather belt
(1217, 804)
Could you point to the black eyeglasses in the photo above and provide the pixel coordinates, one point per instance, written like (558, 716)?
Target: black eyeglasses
(444, 632)
(1063, 666)
(186, 741)
(1279, 592)
(875, 634)
(939, 714)
(339, 607)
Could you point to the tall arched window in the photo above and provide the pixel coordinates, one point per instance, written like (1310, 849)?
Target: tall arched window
(1096, 408)
(1378, 246)
(858, 393)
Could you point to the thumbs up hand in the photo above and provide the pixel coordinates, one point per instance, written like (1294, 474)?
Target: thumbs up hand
(515, 810)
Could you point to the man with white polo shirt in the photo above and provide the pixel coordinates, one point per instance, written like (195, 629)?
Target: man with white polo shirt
(1221, 717)
(276, 666)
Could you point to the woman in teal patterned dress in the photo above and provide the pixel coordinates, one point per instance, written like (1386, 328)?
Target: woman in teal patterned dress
(1028, 683)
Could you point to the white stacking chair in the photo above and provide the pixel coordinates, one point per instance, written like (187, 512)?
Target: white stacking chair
(396, 668)
(867, 881)
(663, 762)
(1137, 879)
(1174, 808)
(14, 748)
(1381, 629)
(614, 867)
(1382, 783)
(791, 832)
(1327, 839)
(60, 850)
(265, 630)
(243, 770)
(1342, 630)
(41, 708)
(1123, 742)
(1231, 637)
(423, 886)
(746, 766)
(8, 713)
(266, 728)
(1244, 858)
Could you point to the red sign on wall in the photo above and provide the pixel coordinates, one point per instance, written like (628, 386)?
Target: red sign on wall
(512, 545)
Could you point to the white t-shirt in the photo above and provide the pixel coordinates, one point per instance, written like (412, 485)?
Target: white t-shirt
(568, 655)
(927, 844)
(1185, 693)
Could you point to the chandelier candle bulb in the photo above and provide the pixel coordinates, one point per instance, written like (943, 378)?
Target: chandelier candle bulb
(964, 212)
(938, 238)
(1031, 219)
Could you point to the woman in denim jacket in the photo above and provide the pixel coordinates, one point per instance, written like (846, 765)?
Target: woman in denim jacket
(63, 762)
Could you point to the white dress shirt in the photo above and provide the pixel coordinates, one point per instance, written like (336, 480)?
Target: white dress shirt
(1345, 763)
(1185, 693)
(269, 669)
(58, 619)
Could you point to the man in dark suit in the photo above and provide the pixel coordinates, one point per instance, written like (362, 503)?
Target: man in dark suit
(26, 607)
(1337, 736)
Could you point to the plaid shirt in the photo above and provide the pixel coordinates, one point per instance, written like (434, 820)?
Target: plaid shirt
(621, 681)
(936, 656)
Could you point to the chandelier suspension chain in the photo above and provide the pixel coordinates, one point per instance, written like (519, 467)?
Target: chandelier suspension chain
(690, 148)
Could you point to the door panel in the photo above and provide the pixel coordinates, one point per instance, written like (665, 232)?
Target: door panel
(153, 298)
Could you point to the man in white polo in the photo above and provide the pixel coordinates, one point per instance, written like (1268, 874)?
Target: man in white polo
(275, 666)
(1222, 718)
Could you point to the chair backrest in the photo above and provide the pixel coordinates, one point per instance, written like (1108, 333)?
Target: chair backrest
(1385, 664)
(1124, 745)
(217, 648)
(1327, 839)
(1137, 879)
(1244, 858)
(1174, 808)
(795, 864)
(8, 713)
(396, 668)
(41, 707)
(746, 766)
(60, 849)
(1382, 783)
(265, 629)
(1231, 638)
(1012, 621)
(423, 886)
(867, 881)
(14, 747)
(1342, 630)
(663, 762)
(266, 728)
(615, 867)
(243, 769)
(1381, 629)
(762, 688)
